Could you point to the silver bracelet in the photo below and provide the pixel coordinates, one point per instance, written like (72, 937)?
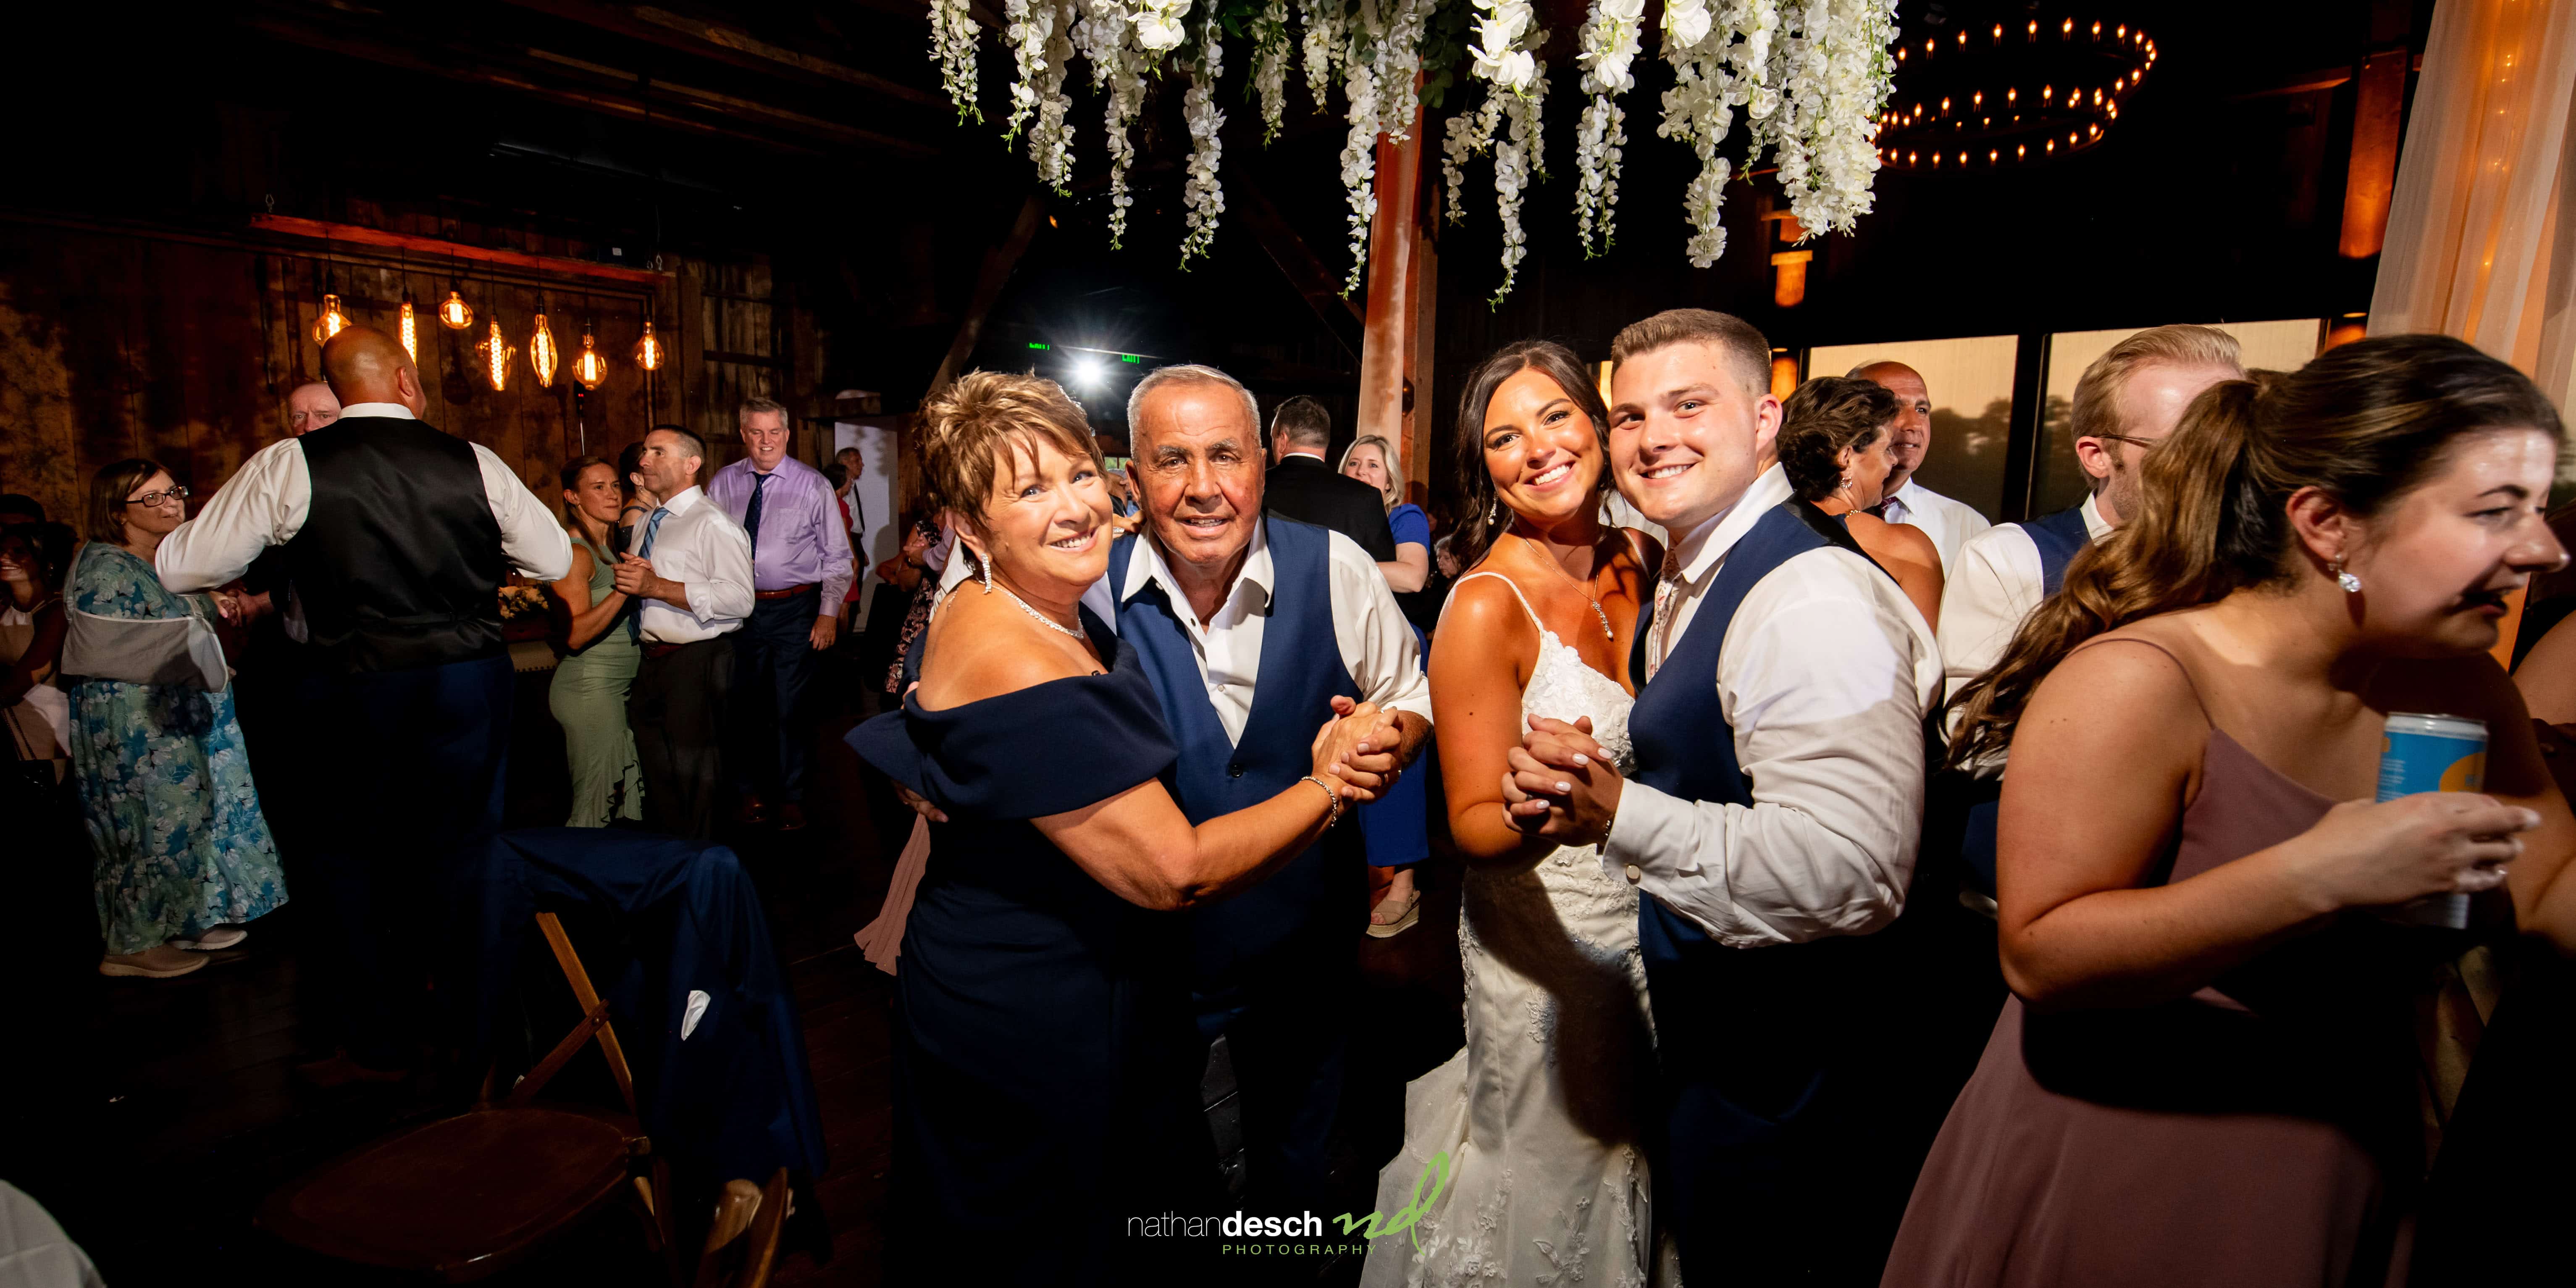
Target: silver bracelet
(1330, 795)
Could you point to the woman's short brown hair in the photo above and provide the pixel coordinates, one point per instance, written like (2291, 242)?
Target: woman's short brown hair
(1820, 419)
(107, 492)
(966, 429)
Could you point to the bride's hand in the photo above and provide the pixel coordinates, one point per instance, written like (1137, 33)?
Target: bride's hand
(1561, 766)
(1338, 742)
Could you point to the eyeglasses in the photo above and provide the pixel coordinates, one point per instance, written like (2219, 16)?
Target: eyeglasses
(156, 498)
(2142, 444)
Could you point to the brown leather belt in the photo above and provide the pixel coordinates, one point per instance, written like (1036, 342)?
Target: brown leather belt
(789, 593)
(656, 650)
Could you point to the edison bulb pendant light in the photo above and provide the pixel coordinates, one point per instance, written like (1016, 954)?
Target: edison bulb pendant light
(542, 354)
(410, 328)
(648, 351)
(332, 321)
(455, 314)
(589, 368)
(494, 354)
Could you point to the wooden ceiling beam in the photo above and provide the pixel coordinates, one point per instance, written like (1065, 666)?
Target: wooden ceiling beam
(726, 45)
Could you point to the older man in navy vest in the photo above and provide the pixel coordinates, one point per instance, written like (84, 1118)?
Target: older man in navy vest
(1256, 630)
(397, 538)
(1771, 824)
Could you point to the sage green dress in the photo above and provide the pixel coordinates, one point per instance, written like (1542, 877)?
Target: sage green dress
(588, 698)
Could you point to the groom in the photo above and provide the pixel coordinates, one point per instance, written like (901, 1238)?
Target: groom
(1770, 825)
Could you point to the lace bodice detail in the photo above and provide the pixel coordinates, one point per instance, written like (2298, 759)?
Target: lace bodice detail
(1562, 686)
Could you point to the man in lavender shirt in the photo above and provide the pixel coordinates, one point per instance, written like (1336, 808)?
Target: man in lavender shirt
(800, 570)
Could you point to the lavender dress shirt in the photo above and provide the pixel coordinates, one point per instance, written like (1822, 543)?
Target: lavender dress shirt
(801, 541)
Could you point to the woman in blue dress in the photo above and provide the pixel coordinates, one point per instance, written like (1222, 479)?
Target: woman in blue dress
(183, 856)
(1046, 1066)
(1399, 827)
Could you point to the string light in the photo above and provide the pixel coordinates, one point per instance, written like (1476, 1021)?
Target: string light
(454, 313)
(331, 322)
(495, 354)
(648, 351)
(541, 353)
(589, 368)
(410, 328)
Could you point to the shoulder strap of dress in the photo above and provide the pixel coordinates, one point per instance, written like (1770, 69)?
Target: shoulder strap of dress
(1516, 594)
(2170, 655)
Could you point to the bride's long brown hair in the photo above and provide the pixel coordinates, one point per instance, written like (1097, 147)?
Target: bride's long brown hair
(2364, 423)
(1482, 516)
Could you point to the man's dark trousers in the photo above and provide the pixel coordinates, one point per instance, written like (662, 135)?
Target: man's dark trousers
(405, 770)
(773, 665)
(676, 709)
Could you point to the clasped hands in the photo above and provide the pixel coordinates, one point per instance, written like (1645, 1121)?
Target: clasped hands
(1560, 784)
(1362, 748)
(636, 577)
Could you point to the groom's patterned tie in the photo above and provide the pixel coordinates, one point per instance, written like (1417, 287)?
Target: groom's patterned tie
(1668, 588)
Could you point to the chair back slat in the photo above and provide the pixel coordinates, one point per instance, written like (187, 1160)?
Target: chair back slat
(583, 993)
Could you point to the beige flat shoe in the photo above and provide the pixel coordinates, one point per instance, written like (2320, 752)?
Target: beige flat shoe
(164, 962)
(214, 940)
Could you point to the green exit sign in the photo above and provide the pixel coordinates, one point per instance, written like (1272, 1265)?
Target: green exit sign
(1129, 357)
(1038, 346)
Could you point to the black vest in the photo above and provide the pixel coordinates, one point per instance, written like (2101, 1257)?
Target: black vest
(399, 565)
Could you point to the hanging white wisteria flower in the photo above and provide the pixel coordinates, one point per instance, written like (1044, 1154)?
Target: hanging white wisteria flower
(1108, 40)
(1516, 158)
(1159, 26)
(1467, 135)
(1698, 111)
(1270, 66)
(1606, 47)
(1026, 25)
(1051, 139)
(1839, 84)
(1326, 23)
(1202, 198)
(1384, 52)
(952, 46)
(1502, 53)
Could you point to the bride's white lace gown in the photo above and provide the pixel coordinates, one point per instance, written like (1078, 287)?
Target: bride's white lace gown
(1542, 1113)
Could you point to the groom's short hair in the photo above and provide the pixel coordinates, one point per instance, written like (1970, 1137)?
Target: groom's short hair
(1744, 347)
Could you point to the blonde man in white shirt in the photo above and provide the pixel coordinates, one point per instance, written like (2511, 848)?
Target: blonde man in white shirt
(1948, 522)
(1771, 821)
(689, 571)
(2125, 403)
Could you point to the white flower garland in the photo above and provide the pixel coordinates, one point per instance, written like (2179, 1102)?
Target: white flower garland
(1607, 45)
(1051, 139)
(1516, 158)
(1158, 25)
(1026, 25)
(1834, 84)
(952, 46)
(1270, 66)
(1202, 196)
(1326, 27)
(1501, 53)
(1700, 107)
(1384, 52)
(1108, 40)
(1465, 136)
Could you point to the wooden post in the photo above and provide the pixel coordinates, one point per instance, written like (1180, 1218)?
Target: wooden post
(1386, 339)
(2377, 124)
(1421, 424)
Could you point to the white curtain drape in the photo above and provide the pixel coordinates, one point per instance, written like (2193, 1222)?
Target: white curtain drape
(2482, 224)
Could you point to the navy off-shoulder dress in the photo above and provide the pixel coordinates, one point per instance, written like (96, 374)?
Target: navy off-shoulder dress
(1045, 1068)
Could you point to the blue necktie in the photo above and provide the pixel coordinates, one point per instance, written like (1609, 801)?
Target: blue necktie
(751, 514)
(635, 611)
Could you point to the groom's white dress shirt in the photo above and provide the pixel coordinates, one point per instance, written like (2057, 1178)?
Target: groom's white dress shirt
(1950, 523)
(1825, 676)
(1995, 584)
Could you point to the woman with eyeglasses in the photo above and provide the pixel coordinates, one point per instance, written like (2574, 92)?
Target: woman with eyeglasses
(183, 855)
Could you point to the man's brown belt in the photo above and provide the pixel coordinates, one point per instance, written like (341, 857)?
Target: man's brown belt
(789, 593)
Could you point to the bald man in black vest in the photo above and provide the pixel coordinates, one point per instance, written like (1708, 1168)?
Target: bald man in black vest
(397, 538)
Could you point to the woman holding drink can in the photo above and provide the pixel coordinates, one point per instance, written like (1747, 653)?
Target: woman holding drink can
(2207, 1073)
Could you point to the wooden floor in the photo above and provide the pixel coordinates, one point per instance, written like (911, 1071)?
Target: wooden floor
(151, 1116)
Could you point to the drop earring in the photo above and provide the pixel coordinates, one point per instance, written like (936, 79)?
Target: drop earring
(984, 564)
(2351, 584)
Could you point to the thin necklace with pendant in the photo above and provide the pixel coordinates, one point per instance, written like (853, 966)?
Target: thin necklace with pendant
(1041, 618)
(1581, 588)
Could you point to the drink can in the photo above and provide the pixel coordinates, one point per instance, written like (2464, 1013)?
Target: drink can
(2432, 753)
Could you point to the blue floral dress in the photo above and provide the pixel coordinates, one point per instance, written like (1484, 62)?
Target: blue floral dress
(166, 797)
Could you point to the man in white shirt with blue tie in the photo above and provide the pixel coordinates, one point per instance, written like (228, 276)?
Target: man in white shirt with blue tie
(690, 575)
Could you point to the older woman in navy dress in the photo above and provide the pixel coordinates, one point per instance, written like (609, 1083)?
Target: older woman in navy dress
(1045, 1066)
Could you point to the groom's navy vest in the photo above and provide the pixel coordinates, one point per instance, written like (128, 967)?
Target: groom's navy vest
(1301, 673)
(2058, 536)
(1752, 1041)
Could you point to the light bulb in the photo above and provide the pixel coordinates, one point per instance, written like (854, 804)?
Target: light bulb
(332, 321)
(589, 368)
(648, 351)
(455, 314)
(541, 353)
(410, 328)
(495, 354)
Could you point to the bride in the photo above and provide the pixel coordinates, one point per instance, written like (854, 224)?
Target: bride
(1540, 1116)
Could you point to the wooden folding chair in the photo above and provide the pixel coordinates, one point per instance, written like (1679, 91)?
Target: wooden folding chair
(463, 1197)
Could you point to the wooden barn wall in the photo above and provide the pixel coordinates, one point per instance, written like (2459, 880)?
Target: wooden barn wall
(182, 348)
